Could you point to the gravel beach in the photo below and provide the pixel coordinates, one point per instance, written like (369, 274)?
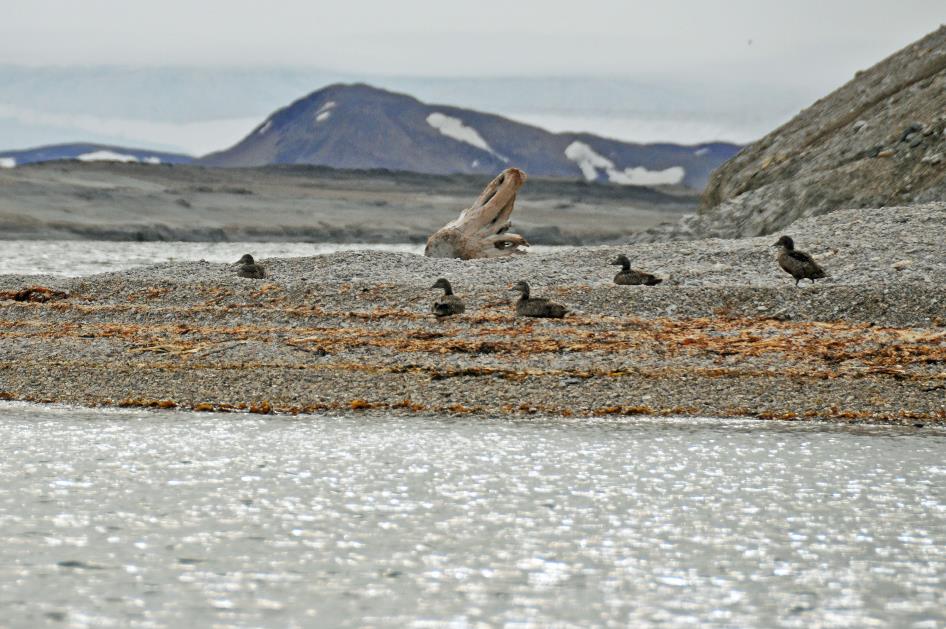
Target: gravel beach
(726, 334)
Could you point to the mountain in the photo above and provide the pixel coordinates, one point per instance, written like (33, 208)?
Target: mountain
(89, 153)
(879, 140)
(361, 127)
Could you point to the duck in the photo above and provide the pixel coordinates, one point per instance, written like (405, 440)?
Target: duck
(534, 306)
(249, 268)
(798, 264)
(449, 304)
(630, 277)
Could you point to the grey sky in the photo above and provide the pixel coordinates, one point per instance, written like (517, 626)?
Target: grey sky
(792, 43)
(196, 75)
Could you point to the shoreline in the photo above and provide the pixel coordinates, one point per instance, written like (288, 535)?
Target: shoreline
(160, 408)
(726, 335)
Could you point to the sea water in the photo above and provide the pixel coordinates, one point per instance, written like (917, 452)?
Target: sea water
(85, 257)
(169, 519)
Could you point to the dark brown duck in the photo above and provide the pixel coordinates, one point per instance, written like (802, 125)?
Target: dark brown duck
(249, 268)
(798, 264)
(534, 306)
(631, 277)
(449, 304)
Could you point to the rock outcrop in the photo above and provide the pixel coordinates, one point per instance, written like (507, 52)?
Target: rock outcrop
(877, 141)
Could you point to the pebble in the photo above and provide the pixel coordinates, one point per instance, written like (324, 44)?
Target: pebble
(717, 279)
(910, 130)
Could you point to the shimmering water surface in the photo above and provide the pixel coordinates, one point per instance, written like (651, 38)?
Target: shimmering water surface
(84, 257)
(193, 520)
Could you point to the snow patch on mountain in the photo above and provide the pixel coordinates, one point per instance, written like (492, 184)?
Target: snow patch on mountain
(454, 128)
(106, 156)
(265, 127)
(591, 162)
(325, 111)
(588, 161)
(7, 162)
(640, 176)
(112, 156)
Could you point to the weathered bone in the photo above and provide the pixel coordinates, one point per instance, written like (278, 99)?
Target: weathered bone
(480, 230)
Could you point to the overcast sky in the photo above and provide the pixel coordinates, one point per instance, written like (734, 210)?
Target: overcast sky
(662, 70)
(792, 42)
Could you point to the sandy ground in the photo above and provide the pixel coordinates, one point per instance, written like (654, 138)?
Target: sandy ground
(107, 201)
(726, 334)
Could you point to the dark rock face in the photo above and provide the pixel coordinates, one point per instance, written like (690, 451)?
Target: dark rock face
(361, 127)
(879, 140)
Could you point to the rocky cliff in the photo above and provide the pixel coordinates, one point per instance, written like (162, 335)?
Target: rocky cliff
(877, 141)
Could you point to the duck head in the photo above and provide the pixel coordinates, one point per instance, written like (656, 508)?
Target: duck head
(522, 287)
(621, 261)
(246, 259)
(786, 242)
(444, 284)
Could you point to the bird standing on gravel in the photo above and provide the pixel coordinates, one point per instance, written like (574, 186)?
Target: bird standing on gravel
(536, 307)
(249, 268)
(630, 277)
(449, 304)
(798, 264)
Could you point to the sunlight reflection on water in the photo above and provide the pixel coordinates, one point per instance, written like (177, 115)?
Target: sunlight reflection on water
(84, 257)
(179, 519)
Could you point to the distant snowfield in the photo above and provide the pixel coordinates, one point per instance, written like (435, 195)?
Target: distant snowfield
(112, 156)
(454, 128)
(7, 162)
(591, 162)
(193, 138)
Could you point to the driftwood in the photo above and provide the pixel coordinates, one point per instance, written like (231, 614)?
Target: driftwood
(480, 230)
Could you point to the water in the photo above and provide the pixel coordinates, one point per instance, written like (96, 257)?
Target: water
(190, 520)
(84, 257)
